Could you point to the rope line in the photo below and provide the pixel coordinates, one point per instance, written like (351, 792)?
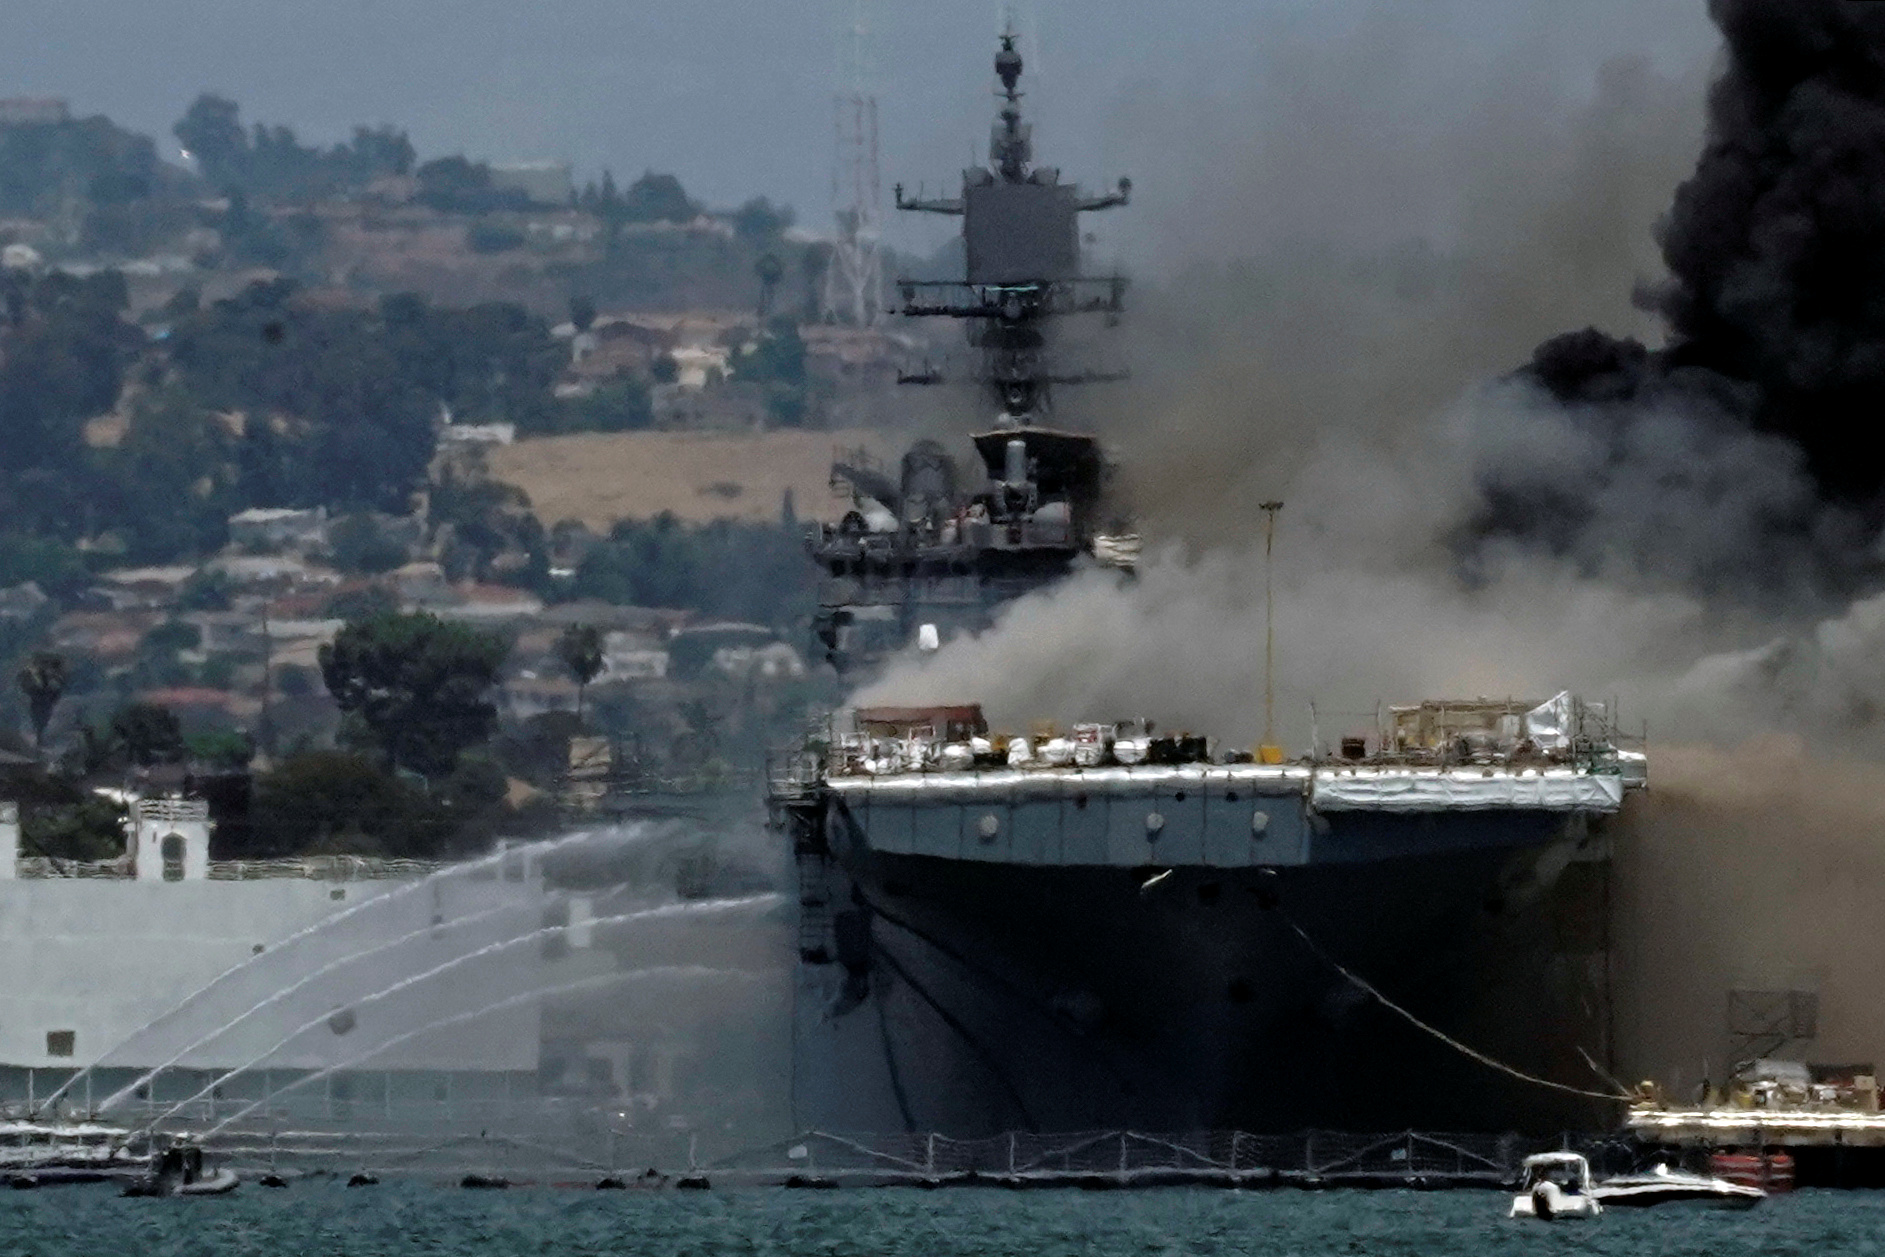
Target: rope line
(988, 1058)
(1449, 1040)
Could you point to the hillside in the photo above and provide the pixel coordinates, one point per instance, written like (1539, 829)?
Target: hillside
(599, 477)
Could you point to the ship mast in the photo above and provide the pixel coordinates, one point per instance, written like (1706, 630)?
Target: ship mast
(1022, 237)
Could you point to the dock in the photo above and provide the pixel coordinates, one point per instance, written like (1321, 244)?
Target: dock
(1830, 1147)
(1758, 1128)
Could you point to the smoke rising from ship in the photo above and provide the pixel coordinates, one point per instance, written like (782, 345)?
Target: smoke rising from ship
(1483, 499)
(1622, 518)
(1773, 247)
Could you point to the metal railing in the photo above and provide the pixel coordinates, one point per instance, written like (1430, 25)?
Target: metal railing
(170, 811)
(1126, 1158)
(323, 868)
(328, 868)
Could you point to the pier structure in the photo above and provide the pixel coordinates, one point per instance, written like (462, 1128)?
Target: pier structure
(1828, 1146)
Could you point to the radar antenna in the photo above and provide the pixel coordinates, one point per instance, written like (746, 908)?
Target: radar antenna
(1022, 244)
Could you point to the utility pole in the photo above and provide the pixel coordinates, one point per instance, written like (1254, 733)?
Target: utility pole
(1269, 752)
(266, 733)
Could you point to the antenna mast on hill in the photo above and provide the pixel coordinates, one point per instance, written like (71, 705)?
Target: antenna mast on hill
(854, 278)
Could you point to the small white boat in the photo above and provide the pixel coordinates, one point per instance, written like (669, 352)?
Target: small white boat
(216, 1183)
(1662, 1186)
(178, 1171)
(1555, 1186)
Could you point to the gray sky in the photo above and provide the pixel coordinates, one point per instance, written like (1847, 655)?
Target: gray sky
(735, 95)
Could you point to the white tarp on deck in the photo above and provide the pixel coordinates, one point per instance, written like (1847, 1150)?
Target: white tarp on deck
(1466, 790)
(1552, 725)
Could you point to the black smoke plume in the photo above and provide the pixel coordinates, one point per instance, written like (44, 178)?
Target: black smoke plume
(1750, 433)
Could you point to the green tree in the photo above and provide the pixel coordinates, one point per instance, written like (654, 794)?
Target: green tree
(57, 568)
(770, 271)
(417, 685)
(776, 362)
(211, 131)
(321, 802)
(778, 355)
(45, 168)
(657, 198)
(227, 749)
(81, 827)
(362, 603)
(813, 263)
(580, 649)
(727, 568)
(172, 480)
(493, 238)
(456, 185)
(146, 734)
(333, 802)
(623, 405)
(208, 590)
(43, 682)
(360, 545)
(759, 221)
(63, 354)
(271, 162)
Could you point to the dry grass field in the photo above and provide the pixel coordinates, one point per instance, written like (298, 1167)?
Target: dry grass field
(602, 477)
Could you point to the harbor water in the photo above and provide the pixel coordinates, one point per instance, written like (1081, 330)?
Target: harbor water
(401, 1217)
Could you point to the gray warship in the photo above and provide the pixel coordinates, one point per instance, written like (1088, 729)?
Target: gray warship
(1108, 927)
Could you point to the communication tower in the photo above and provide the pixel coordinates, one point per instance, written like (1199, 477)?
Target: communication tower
(854, 278)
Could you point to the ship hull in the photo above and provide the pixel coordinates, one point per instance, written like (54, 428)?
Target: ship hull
(971, 997)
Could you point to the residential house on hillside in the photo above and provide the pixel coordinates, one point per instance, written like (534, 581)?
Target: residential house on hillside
(299, 641)
(697, 366)
(774, 661)
(476, 433)
(224, 632)
(613, 348)
(654, 623)
(21, 602)
(632, 657)
(543, 182)
(198, 708)
(109, 637)
(861, 355)
(531, 694)
(489, 605)
(127, 588)
(420, 584)
(279, 572)
(271, 529)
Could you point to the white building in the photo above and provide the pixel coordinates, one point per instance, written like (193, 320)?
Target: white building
(126, 964)
(544, 182)
(278, 528)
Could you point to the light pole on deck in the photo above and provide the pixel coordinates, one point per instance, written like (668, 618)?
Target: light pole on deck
(1269, 752)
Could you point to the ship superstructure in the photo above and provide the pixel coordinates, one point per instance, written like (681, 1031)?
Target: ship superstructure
(929, 550)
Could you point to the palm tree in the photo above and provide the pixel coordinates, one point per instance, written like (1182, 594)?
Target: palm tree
(43, 681)
(580, 649)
